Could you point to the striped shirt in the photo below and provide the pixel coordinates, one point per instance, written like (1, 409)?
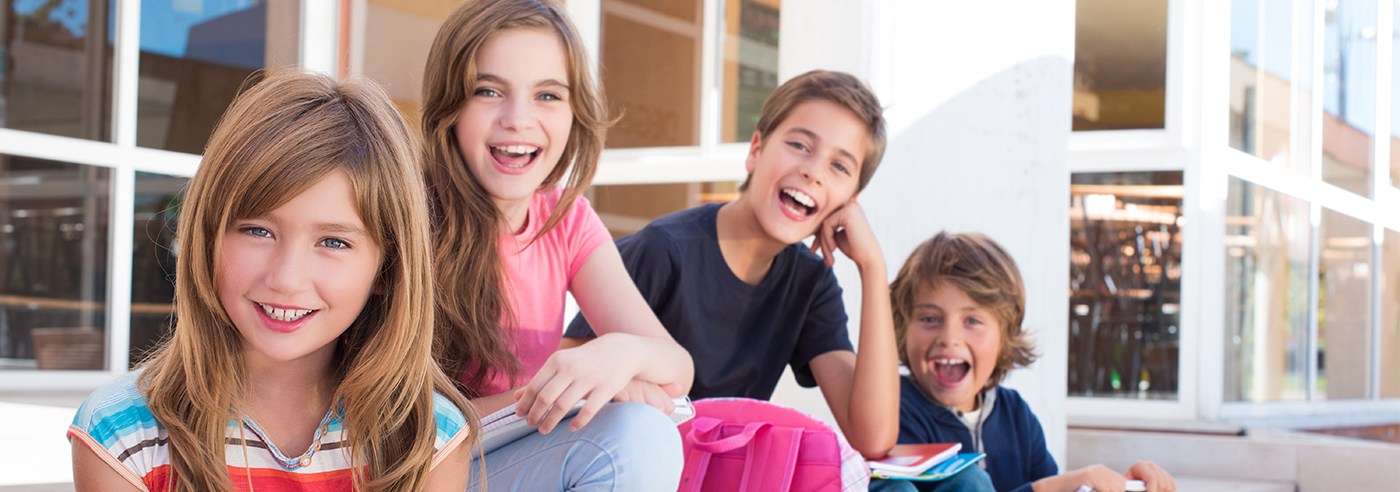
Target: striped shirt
(116, 423)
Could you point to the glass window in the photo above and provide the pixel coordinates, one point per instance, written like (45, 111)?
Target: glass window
(1125, 284)
(651, 56)
(1267, 243)
(750, 64)
(53, 264)
(625, 209)
(153, 260)
(56, 67)
(1344, 308)
(1263, 80)
(1349, 93)
(195, 56)
(1390, 315)
(1120, 64)
(1394, 102)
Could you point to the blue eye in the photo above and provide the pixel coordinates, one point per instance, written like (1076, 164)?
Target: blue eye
(335, 243)
(550, 96)
(255, 231)
(841, 167)
(797, 145)
(486, 92)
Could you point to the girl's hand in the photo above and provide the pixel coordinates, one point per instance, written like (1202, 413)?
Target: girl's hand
(594, 373)
(1154, 477)
(847, 230)
(658, 396)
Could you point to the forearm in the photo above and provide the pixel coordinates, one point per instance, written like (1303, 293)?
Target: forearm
(658, 360)
(487, 405)
(873, 409)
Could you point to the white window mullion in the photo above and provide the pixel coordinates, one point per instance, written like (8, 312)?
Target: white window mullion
(1380, 178)
(126, 76)
(588, 19)
(711, 62)
(318, 36)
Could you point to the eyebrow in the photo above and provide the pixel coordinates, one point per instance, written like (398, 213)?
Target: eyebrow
(543, 83)
(813, 135)
(341, 228)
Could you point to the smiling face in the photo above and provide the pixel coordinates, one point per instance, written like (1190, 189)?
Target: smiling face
(294, 279)
(808, 167)
(517, 118)
(952, 345)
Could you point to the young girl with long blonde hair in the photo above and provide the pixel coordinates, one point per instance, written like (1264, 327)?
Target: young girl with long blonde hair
(510, 109)
(301, 352)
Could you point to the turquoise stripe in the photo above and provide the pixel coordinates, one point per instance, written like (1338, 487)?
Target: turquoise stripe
(449, 418)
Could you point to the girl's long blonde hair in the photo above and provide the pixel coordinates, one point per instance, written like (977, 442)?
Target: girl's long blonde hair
(471, 299)
(277, 139)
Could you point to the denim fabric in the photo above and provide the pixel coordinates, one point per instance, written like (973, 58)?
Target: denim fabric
(626, 447)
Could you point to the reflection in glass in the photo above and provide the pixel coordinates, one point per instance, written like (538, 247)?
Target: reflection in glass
(1349, 93)
(54, 220)
(1390, 315)
(1344, 308)
(153, 260)
(625, 209)
(650, 54)
(1394, 104)
(195, 56)
(750, 70)
(56, 67)
(1125, 284)
(1263, 81)
(1267, 237)
(397, 37)
(1120, 64)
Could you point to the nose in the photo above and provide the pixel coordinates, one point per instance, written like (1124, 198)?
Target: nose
(289, 270)
(518, 113)
(810, 171)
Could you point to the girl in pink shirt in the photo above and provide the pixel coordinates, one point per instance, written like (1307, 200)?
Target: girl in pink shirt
(509, 111)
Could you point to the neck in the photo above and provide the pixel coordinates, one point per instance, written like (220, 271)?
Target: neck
(514, 213)
(302, 385)
(747, 248)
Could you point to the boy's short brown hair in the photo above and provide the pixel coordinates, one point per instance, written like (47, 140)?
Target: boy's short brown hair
(840, 88)
(979, 267)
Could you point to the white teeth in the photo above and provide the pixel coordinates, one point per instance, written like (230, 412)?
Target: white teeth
(948, 362)
(800, 197)
(284, 315)
(516, 149)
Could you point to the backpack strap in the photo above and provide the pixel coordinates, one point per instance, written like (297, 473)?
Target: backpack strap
(772, 460)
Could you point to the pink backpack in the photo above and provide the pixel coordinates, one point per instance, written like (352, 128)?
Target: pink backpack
(741, 444)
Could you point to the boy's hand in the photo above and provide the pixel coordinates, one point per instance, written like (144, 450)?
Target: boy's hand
(848, 230)
(1154, 477)
(1097, 478)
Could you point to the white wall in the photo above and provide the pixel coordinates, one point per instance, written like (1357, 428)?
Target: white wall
(978, 102)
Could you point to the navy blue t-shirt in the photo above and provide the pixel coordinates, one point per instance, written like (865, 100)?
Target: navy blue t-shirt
(739, 335)
(1011, 435)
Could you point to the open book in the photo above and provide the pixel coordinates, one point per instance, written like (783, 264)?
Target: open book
(940, 471)
(913, 459)
(503, 427)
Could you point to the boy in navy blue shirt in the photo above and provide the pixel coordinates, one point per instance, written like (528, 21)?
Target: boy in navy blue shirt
(734, 285)
(958, 307)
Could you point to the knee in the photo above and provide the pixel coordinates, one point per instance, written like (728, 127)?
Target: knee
(644, 444)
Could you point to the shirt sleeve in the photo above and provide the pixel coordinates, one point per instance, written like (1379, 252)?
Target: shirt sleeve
(1039, 462)
(452, 428)
(824, 329)
(587, 233)
(116, 425)
(647, 257)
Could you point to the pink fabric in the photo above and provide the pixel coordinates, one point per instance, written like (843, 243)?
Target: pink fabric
(537, 276)
(740, 444)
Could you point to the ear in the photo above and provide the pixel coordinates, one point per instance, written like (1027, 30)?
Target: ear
(755, 146)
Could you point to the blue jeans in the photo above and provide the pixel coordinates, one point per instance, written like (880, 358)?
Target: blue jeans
(971, 479)
(627, 446)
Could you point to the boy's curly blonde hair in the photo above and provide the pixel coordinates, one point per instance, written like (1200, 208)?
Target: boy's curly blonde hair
(979, 267)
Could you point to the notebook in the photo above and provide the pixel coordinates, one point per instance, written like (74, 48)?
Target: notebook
(503, 427)
(913, 459)
(940, 471)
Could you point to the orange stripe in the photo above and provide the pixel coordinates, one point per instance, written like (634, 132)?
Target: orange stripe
(106, 456)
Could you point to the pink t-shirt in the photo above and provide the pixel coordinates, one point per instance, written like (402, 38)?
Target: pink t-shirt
(537, 276)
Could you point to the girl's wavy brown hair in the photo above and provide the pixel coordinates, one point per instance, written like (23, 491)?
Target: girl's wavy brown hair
(278, 138)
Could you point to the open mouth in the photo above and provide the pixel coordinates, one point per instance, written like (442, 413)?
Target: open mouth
(285, 315)
(950, 372)
(514, 156)
(798, 203)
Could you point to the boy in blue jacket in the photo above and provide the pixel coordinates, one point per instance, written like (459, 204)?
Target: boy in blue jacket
(958, 307)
